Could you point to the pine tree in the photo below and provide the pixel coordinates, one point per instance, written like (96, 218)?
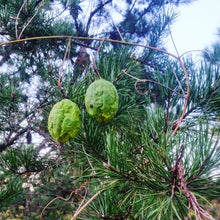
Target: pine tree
(157, 158)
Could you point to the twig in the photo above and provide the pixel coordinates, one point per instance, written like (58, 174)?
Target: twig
(186, 103)
(17, 17)
(199, 212)
(138, 148)
(113, 21)
(82, 202)
(93, 13)
(59, 197)
(152, 81)
(9, 141)
(187, 80)
(86, 204)
(94, 67)
(89, 201)
(76, 191)
(93, 170)
(204, 51)
(174, 170)
(124, 71)
(178, 177)
(31, 19)
(179, 83)
(168, 111)
(61, 69)
(173, 42)
(148, 80)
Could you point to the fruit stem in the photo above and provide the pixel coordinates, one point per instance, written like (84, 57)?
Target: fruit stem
(94, 66)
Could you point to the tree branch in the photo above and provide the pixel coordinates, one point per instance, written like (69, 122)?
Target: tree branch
(8, 142)
(93, 13)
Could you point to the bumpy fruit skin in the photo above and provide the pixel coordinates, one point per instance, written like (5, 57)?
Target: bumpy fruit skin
(64, 121)
(101, 100)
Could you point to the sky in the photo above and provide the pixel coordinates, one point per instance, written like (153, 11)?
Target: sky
(196, 26)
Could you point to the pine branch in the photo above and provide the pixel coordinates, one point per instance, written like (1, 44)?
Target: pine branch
(7, 195)
(94, 12)
(178, 179)
(129, 12)
(203, 166)
(122, 174)
(199, 212)
(146, 10)
(10, 141)
(202, 102)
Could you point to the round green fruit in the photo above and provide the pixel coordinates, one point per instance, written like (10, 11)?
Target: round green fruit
(64, 121)
(101, 100)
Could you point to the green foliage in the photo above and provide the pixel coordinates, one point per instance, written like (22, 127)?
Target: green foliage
(17, 165)
(11, 191)
(22, 160)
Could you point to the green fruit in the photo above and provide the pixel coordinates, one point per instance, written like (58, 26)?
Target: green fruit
(101, 100)
(64, 121)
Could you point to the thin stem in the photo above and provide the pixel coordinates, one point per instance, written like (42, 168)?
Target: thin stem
(30, 19)
(113, 21)
(152, 81)
(76, 191)
(178, 82)
(61, 69)
(204, 51)
(17, 17)
(94, 67)
(59, 197)
(168, 111)
(173, 42)
(82, 202)
(93, 13)
(86, 204)
(124, 71)
(148, 80)
(89, 201)
(90, 163)
(186, 103)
